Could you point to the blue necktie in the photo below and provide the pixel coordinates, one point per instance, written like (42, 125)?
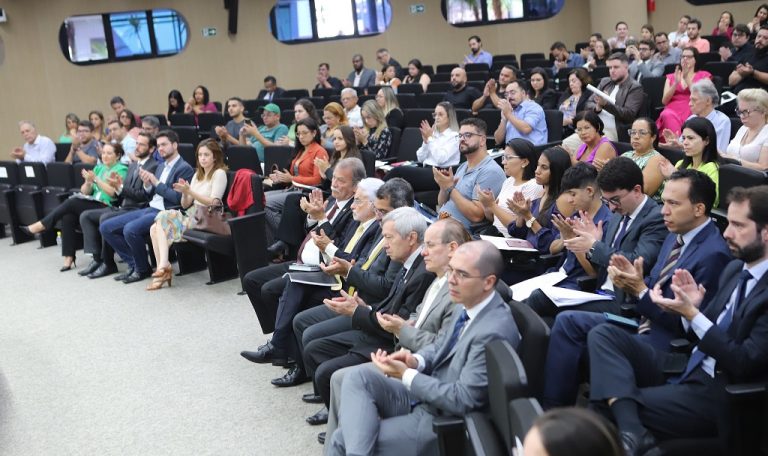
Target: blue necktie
(698, 356)
(463, 318)
(622, 231)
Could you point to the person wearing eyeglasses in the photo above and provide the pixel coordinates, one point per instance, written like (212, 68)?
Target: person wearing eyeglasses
(521, 117)
(753, 72)
(643, 136)
(264, 135)
(677, 92)
(665, 54)
(702, 102)
(643, 65)
(741, 49)
(750, 145)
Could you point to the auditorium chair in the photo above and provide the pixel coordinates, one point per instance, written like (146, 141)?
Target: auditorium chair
(395, 144)
(29, 202)
(187, 152)
(492, 118)
(446, 67)
(554, 119)
(471, 67)
(61, 181)
(406, 100)
(239, 157)
(296, 93)
(410, 141)
(722, 69)
(441, 77)
(429, 100)
(534, 341)
(438, 87)
(285, 103)
(715, 41)
(181, 120)
(415, 89)
(734, 176)
(62, 150)
(9, 179)
(187, 134)
(413, 117)
(160, 118)
(525, 59)
(207, 121)
(325, 93)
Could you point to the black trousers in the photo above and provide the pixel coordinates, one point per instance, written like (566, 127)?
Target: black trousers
(93, 242)
(295, 298)
(69, 213)
(264, 287)
(291, 228)
(316, 323)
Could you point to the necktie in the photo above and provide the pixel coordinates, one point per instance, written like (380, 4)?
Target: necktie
(462, 320)
(332, 212)
(622, 231)
(371, 258)
(666, 273)
(726, 317)
(354, 239)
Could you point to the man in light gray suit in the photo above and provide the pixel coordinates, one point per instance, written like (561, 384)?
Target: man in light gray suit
(360, 75)
(441, 239)
(390, 411)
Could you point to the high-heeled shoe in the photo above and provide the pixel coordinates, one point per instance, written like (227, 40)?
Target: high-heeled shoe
(71, 266)
(160, 271)
(158, 282)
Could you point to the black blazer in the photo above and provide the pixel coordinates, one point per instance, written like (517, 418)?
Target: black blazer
(402, 301)
(374, 284)
(364, 244)
(741, 351)
(547, 99)
(343, 218)
(133, 195)
(279, 93)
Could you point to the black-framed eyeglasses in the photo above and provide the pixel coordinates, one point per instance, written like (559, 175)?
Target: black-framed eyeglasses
(461, 275)
(746, 112)
(613, 201)
(509, 157)
(638, 132)
(468, 135)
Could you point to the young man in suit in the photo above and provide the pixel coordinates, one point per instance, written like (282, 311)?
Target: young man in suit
(270, 90)
(132, 197)
(729, 331)
(449, 376)
(360, 76)
(126, 233)
(689, 196)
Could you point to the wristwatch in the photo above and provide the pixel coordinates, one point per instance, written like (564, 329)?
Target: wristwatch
(449, 190)
(529, 222)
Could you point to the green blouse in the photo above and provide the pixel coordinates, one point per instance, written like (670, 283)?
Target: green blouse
(102, 171)
(712, 170)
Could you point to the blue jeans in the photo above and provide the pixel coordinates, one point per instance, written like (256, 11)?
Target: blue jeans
(126, 234)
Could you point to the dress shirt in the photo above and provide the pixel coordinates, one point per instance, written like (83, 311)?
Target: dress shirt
(429, 299)
(671, 57)
(701, 324)
(441, 149)
(609, 120)
(409, 373)
(157, 201)
(531, 113)
(330, 249)
(41, 150)
(608, 285)
(354, 117)
(482, 57)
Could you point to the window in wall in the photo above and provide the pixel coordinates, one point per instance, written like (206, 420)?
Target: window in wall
(712, 2)
(301, 21)
(464, 13)
(115, 37)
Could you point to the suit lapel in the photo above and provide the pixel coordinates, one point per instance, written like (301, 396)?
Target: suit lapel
(755, 298)
(717, 306)
(439, 297)
(467, 335)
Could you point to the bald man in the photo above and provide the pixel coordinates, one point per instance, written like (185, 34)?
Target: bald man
(461, 96)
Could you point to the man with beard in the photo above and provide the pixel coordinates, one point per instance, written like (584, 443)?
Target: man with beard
(493, 92)
(360, 75)
(229, 134)
(753, 73)
(741, 49)
(458, 194)
(730, 333)
(521, 117)
(461, 95)
(476, 53)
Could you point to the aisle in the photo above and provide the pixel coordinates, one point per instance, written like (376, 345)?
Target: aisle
(99, 367)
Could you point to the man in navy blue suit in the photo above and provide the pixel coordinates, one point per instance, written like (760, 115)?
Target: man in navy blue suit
(730, 331)
(126, 233)
(688, 199)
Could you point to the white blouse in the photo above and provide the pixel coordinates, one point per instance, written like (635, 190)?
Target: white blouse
(442, 149)
(749, 152)
(531, 191)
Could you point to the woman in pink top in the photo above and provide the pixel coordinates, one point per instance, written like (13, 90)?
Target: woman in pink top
(677, 92)
(724, 25)
(200, 102)
(597, 149)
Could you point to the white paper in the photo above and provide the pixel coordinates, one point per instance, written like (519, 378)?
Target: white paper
(565, 297)
(600, 94)
(521, 290)
(3, 173)
(29, 171)
(502, 243)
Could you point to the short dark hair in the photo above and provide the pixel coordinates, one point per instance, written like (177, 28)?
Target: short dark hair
(170, 134)
(695, 21)
(757, 197)
(597, 35)
(658, 34)
(152, 142)
(577, 432)
(118, 148)
(382, 50)
(622, 57)
(237, 99)
(270, 79)
(153, 121)
(619, 23)
(326, 65)
(742, 28)
(592, 117)
(117, 99)
(620, 173)
(557, 45)
(580, 175)
(475, 37)
(648, 43)
(398, 191)
(523, 84)
(85, 123)
(701, 189)
(513, 69)
(478, 124)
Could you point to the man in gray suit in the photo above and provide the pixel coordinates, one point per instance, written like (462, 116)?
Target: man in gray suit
(360, 76)
(441, 239)
(390, 411)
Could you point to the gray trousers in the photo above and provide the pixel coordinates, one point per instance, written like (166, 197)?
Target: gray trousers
(333, 409)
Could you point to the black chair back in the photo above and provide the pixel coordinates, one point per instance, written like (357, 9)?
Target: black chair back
(395, 144)
(187, 134)
(507, 380)
(406, 100)
(239, 157)
(62, 150)
(415, 89)
(61, 175)
(325, 93)
(369, 161)
(187, 152)
(533, 346)
(525, 58)
(277, 156)
(446, 67)
(296, 93)
(207, 120)
(285, 103)
(33, 174)
(410, 141)
(470, 67)
(182, 120)
(492, 117)
(738, 176)
(522, 413)
(554, 119)
(429, 100)
(78, 170)
(414, 117)
(160, 118)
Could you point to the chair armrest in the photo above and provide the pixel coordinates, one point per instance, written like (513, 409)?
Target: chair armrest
(450, 435)
(484, 440)
(587, 283)
(550, 260)
(680, 346)
(744, 389)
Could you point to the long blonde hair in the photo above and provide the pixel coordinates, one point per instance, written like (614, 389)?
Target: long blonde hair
(373, 109)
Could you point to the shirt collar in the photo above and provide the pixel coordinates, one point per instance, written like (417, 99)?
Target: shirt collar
(639, 207)
(412, 258)
(172, 163)
(688, 237)
(758, 270)
(475, 311)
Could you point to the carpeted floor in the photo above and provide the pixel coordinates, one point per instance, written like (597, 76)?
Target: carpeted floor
(96, 367)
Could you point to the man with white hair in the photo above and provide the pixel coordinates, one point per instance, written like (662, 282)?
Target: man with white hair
(36, 148)
(704, 98)
(349, 102)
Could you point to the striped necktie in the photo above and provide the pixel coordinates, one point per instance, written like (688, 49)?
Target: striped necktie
(664, 276)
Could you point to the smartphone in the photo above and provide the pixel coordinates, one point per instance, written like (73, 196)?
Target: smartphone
(249, 122)
(626, 322)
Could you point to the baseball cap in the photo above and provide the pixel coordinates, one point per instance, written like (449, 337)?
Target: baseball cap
(271, 107)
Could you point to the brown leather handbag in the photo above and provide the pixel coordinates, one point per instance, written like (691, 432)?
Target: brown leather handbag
(212, 219)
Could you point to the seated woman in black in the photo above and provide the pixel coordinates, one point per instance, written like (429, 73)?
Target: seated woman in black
(540, 91)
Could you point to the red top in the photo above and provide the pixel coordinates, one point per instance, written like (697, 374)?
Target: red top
(309, 174)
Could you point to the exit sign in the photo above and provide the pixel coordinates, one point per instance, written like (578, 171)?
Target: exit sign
(209, 31)
(417, 8)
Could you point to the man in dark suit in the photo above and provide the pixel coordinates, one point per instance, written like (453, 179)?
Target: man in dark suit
(730, 335)
(132, 197)
(403, 232)
(689, 196)
(357, 241)
(377, 413)
(265, 285)
(628, 97)
(270, 90)
(126, 233)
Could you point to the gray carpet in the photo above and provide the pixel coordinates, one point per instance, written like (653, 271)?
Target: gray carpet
(99, 367)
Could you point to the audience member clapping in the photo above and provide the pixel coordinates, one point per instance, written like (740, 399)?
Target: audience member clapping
(646, 32)
(199, 102)
(694, 36)
(36, 147)
(84, 149)
(521, 117)
(759, 21)
(388, 77)
(702, 102)
(643, 135)
(619, 41)
(679, 37)
(376, 136)
(725, 25)
(128, 120)
(230, 133)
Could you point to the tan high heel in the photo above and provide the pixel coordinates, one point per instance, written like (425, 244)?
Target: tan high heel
(160, 271)
(158, 282)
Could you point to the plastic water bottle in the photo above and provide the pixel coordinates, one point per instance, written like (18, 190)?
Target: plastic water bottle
(58, 238)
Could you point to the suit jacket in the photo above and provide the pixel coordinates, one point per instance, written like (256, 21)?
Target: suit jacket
(133, 195)
(364, 244)
(629, 99)
(279, 93)
(181, 170)
(643, 239)
(400, 301)
(436, 320)
(367, 78)
(704, 258)
(374, 284)
(651, 69)
(343, 219)
(456, 381)
(741, 351)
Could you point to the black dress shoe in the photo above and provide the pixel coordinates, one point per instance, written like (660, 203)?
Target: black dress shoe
(137, 276)
(321, 438)
(295, 376)
(92, 266)
(266, 353)
(123, 276)
(102, 271)
(277, 249)
(318, 418)
(312, 398)
(635, 445)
